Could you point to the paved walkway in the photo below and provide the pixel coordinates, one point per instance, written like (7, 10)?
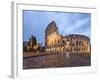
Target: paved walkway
(56, 60)
(75, 60)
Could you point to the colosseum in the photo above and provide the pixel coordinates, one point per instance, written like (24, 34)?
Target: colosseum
(72, 43)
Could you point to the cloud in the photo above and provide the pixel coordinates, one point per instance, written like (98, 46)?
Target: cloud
(74, 24)
(35, 22)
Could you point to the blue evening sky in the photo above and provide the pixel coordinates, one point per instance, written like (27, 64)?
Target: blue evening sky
(35, 23)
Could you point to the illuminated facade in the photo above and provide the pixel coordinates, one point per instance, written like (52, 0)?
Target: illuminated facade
(73, 43)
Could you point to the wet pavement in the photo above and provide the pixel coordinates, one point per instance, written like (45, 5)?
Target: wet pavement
(54, 61)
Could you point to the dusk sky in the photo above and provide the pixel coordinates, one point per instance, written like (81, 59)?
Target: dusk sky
(35, 23)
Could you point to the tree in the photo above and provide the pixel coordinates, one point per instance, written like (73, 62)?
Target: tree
(34, 41)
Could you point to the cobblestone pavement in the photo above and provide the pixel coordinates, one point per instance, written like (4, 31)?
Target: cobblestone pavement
(54, 61)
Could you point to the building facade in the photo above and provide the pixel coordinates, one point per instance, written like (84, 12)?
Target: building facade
(72, 43)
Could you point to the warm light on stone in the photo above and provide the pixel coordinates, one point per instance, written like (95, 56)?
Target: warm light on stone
(73, 43)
